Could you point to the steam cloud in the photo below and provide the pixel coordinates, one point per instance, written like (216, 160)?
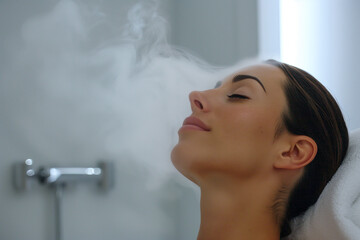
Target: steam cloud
(75, 88)
(71, 98)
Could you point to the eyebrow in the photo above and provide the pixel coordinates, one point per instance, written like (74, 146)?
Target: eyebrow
(240, 77)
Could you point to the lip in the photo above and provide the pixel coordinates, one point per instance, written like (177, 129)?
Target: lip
(195, 123)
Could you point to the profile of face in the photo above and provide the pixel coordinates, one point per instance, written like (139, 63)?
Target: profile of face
(241, 115)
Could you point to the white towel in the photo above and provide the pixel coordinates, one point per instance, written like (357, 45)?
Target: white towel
(336, 214)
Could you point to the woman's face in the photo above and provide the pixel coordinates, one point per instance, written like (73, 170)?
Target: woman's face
(242, 114)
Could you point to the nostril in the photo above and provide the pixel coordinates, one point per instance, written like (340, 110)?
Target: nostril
(198, 103)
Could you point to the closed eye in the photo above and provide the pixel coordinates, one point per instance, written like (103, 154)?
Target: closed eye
(238, 96)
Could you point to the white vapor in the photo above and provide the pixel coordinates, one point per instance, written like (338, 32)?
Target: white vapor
(122, 98)
(76, 87)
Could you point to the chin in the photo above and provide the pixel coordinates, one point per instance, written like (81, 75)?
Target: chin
(177, 157)
(184, 161)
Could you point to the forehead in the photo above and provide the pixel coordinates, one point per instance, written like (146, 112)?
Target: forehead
(269, 75)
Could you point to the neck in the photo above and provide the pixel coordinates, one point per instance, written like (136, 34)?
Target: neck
(237, 210)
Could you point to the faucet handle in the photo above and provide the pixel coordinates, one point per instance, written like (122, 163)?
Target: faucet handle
(23, 175)
(43, 174)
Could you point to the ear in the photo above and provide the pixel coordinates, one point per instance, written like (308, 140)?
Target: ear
(297, 153)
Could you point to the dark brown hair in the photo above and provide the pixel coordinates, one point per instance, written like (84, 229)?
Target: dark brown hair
(311, 111)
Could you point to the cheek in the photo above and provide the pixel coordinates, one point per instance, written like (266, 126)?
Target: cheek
(247, 135)
(248, 124)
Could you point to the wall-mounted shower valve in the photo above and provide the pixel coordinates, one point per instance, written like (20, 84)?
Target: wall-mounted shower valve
(24, 173)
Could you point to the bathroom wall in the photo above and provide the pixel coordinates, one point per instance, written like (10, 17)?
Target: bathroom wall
(229, 28)
(323, 38)
(269, 29)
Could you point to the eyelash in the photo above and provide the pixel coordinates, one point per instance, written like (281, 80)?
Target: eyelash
(238, 96)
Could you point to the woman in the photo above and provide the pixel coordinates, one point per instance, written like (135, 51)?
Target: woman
(261, 146)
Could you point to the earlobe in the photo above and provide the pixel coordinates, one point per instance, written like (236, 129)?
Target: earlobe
(301, 151)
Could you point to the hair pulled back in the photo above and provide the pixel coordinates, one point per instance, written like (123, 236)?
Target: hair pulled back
(311, 111)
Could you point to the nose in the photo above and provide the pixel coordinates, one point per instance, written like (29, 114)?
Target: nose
(198, 101)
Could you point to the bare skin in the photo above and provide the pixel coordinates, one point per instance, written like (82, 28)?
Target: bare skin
(240, 213)
(238, 164)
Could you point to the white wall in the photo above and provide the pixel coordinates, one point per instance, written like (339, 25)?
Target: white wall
(269, 29)
(323, 38)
